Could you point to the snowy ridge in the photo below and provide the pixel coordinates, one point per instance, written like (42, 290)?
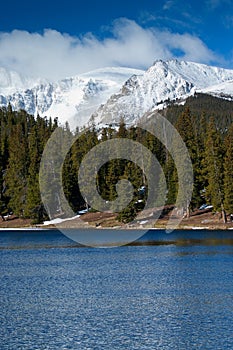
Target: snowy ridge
(111, 93)
(200, 75)
(72, 99)
(164, 81)
(222, 90)
(11, 82)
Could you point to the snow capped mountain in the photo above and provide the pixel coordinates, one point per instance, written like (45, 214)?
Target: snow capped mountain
(222, 90)
(110, 93)
(73, 99)
(164, 81)
(11, 82)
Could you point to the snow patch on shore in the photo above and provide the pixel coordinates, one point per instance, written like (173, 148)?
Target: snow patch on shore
(58, 220)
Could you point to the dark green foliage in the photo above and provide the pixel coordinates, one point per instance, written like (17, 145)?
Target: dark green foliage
(204, 123)
(213, 161)
(17, 170)
(210, 119)
(22, 141)
(204, 107)
(187, 126)
(228, 171)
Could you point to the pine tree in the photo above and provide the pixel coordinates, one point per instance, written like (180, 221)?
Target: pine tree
(17, 171)
(186, 126)
(33, 207)
(2, 199)
(214, 168)
(51, 175)
(122, 131)
(87, 140)
(228, 171)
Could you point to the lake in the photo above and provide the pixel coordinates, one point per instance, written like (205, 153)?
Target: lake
(163, 292)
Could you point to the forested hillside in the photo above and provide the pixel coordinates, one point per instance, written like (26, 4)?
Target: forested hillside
(22, 140)
(205, 123)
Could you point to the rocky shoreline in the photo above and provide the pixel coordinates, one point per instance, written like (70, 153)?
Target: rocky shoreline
(198, 220)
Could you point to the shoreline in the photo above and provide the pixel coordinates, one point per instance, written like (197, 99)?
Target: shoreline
(143, 228)
(146, 220)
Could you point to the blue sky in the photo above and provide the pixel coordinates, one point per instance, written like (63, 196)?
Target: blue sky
(57, 39)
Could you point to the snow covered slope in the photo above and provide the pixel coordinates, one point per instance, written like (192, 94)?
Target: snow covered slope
(111, 93)
(222, 90)
(73, 99)
(11, 82)
(164, 81)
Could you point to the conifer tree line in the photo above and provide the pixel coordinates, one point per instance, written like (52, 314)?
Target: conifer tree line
(22, 140)
(207, 131)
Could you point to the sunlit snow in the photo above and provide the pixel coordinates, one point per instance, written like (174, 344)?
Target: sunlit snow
(110, 93)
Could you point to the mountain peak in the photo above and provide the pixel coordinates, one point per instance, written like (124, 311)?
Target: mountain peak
(72, 99)
(112, 92)
(11, 82)
(164, 81)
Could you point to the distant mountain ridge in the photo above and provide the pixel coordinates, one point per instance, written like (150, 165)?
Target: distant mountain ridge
(72, 99)
(163, 82)
(12, 82)
(110, 93)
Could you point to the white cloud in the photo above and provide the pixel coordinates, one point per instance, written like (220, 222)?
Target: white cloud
(228, 22)
(192, 48)
(213, 4)
(54, 55)
(168, 4)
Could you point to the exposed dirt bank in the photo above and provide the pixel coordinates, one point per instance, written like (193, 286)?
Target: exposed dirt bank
(198, 219)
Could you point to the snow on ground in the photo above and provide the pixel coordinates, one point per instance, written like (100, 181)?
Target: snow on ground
(58, 221)
(222, 89)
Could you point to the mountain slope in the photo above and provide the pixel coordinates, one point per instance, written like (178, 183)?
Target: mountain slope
(164, 81)
(12, 82)
(222, 90)
(73, 99)
(111, 93)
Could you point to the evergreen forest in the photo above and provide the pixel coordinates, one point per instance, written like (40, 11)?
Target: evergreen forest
(204, 122)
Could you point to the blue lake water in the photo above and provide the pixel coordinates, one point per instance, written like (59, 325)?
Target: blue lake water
(165, 292)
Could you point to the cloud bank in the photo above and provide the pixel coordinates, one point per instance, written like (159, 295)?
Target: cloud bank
(54, 55)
